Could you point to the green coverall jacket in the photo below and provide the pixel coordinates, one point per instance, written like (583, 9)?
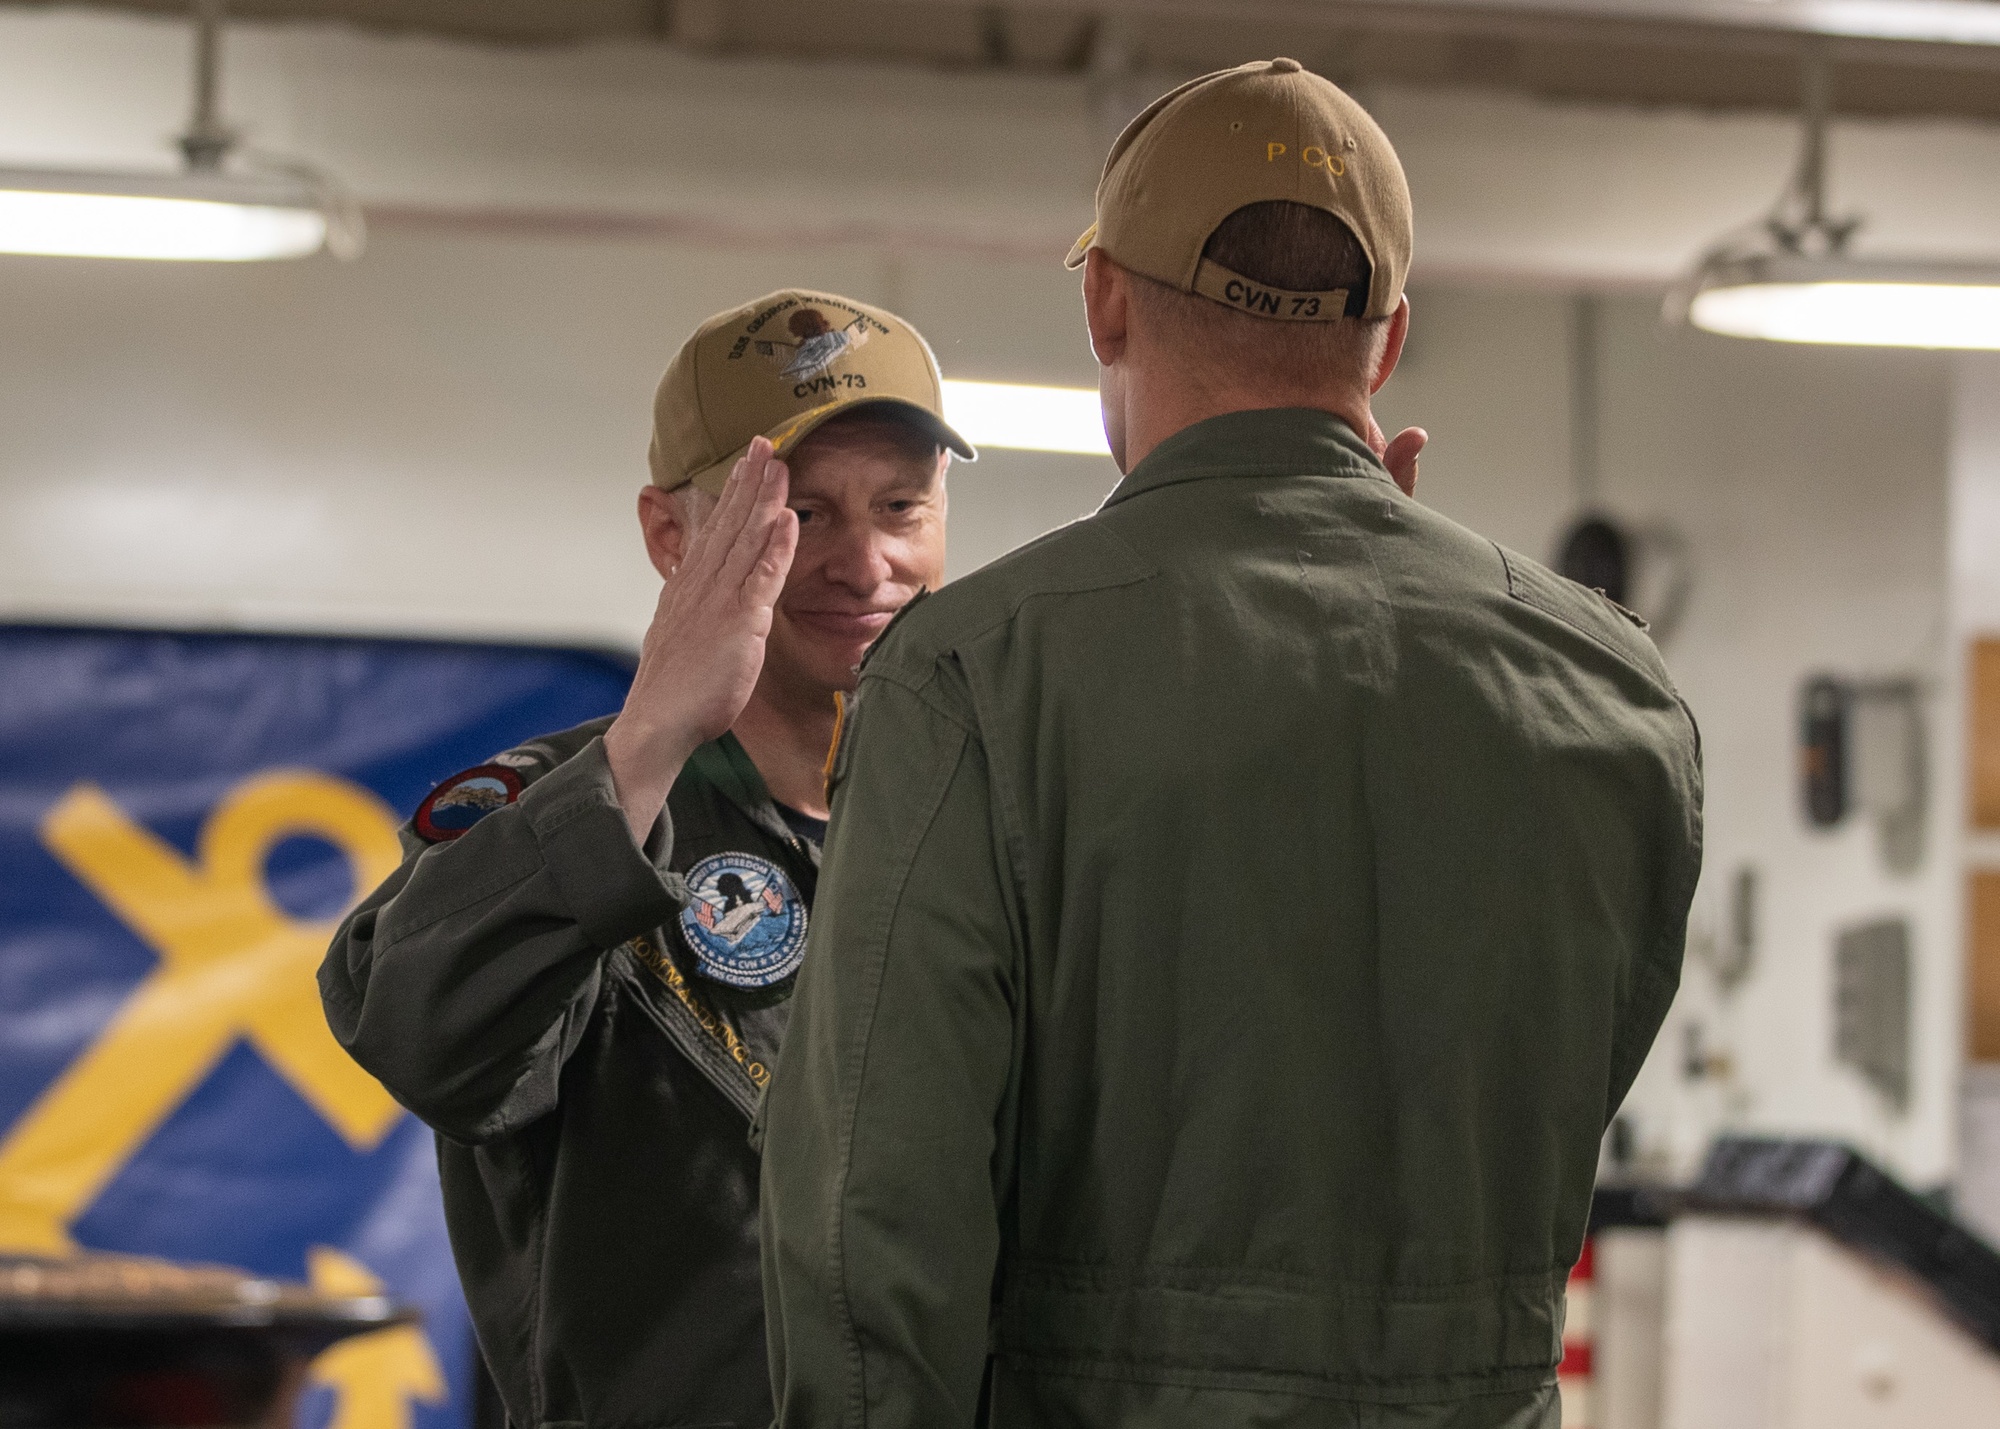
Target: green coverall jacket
(530, 989)
(1243, 912)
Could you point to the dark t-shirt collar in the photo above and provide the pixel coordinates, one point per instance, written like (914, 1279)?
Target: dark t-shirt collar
(812, 830)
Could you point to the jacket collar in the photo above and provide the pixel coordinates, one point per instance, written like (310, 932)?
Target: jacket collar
(1277, 441)
(727, 765)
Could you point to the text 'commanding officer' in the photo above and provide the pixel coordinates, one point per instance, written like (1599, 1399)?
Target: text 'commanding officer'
(1245, 907)
(582, 990)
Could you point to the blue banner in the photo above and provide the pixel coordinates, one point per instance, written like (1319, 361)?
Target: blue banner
(183, 821)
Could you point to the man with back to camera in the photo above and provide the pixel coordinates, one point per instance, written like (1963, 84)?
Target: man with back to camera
(1245, 907)
(580, 974)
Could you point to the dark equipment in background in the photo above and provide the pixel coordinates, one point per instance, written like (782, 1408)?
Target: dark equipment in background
(127, 1342)
(1597, 554)
(1871, 1004)
(1835, 1188)
(1862, 749)
(1644, 568)
(1823, 750)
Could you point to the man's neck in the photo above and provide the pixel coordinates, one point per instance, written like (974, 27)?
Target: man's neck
(788, 742)
(1155, 412)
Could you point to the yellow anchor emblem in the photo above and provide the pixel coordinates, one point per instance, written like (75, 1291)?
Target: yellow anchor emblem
(232, 964)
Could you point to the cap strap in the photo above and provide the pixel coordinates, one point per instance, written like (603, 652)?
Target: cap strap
(1246, 295)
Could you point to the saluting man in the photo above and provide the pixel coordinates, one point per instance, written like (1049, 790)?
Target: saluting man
(580, 974)
(1244, 907)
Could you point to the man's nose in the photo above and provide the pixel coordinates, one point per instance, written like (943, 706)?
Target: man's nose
(860, 560)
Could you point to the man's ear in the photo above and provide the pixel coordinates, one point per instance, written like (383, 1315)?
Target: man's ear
(1392, 350)
(666, 534)
(1106, 306)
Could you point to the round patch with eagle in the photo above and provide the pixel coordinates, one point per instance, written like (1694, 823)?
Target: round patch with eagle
(464, 799)
(744, 920)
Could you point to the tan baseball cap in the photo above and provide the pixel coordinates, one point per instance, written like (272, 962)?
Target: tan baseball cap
(779, 367)
(1262, 131)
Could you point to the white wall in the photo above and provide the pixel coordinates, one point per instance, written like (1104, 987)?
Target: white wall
(1772, 1325)
(446, 436)
(1975, 615)
(1810, 485)
(1975, 489)
(764, 152)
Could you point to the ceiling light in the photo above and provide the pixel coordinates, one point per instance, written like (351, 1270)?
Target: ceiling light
(1866, 304)
(196, 216)
(1027, 418)
(1790, 278)
(276, 209)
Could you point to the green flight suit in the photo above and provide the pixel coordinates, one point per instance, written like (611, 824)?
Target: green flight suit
(530, 988)
(1243, 912)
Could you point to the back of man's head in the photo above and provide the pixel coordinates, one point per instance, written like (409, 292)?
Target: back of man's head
(1277, 245)
(1264, 220)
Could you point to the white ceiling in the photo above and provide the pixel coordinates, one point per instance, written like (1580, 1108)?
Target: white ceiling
(1912, 57)
(610, 138)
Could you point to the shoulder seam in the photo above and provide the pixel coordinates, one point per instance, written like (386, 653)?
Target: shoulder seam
(1147, 571)
(1519, 591)
(920, 690)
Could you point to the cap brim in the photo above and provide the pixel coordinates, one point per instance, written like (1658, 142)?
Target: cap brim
(1080, 247)
(786, 436)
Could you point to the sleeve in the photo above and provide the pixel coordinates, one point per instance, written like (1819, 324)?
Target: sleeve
(881, 1155)
(1676, 849)
(464, 982)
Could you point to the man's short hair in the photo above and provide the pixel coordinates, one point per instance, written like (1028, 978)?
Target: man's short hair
(1282, 245)
(1290, 245)
(693, 505)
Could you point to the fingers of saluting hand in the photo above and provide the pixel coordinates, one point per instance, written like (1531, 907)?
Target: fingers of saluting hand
(710, 546)
(766, 508)
(767, 578)
(740, 496)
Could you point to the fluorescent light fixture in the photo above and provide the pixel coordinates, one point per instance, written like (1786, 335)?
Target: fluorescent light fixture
(1967, 22)
(1835, 300)
(1790, 278)
(196, 216)
(276, 208)
(1027, 418)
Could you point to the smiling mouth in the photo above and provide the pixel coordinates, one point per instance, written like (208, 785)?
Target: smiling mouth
(856, 625)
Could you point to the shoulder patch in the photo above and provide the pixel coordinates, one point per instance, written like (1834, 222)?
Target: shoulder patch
(464, 799)
(744, 921)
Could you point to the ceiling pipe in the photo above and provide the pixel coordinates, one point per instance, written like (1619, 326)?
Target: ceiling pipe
(1961, 29)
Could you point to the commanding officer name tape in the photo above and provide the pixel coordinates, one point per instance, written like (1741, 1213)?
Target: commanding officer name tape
(655, 961)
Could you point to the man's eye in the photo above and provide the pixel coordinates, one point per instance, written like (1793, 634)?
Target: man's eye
(804, 516)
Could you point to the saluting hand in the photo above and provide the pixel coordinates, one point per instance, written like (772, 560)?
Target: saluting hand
(705, 648)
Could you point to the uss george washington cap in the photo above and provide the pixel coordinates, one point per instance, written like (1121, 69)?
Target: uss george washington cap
(779, 367)
(1262, 131)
